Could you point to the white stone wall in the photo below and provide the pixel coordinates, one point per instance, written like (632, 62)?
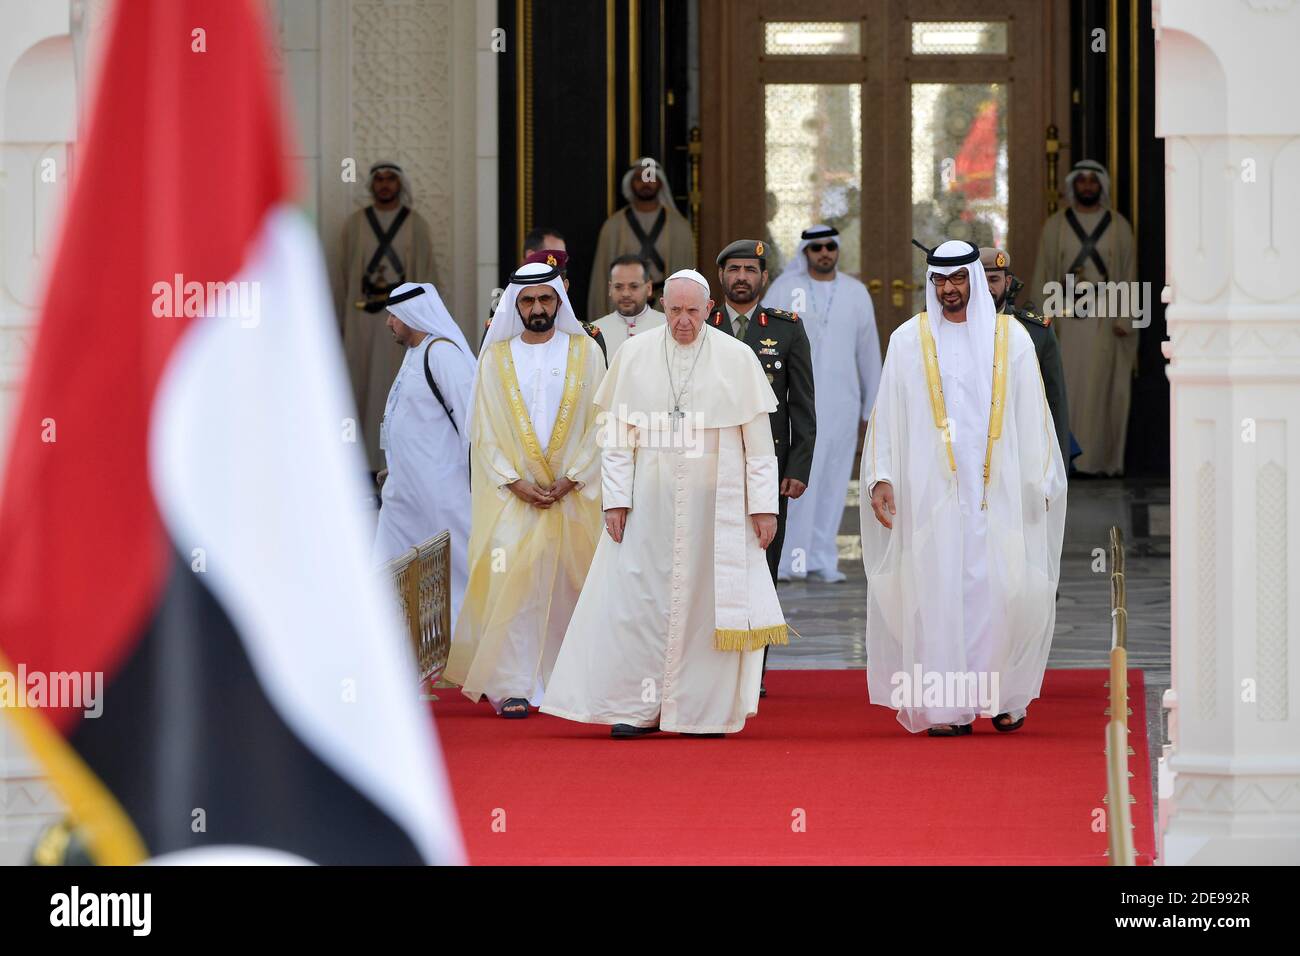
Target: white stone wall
(1224, 81)
(38, 122)
(410, 80)
(487, 166)
(401, 80)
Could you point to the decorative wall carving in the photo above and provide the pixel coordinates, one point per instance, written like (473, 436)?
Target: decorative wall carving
(15, 345)
(26, 795)
(1199, 266)
(402, 97)
(1271, 583)
(1206, 604)
(1266, 236)
(1217, 342)
(1271, 6)
(1239, 795)
(1233, 250)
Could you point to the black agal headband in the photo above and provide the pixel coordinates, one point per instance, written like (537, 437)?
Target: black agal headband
(520, 277)
(966, 258)
(410, 294)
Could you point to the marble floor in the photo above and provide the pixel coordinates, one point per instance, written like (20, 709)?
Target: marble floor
(830, 618)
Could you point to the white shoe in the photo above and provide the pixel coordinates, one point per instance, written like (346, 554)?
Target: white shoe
(830, 577)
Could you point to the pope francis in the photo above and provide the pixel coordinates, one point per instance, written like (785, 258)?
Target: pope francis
(669, 630)
(961, 538)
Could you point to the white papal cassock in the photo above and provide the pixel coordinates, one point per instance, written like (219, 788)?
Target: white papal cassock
(689, 578)
(962, 591)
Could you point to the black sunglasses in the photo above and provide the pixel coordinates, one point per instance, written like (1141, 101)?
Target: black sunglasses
(819, 246)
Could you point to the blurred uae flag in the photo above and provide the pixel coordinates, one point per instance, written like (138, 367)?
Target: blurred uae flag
(977, 160)
(179, 508)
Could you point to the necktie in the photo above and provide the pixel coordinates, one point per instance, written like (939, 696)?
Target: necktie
(741, 323)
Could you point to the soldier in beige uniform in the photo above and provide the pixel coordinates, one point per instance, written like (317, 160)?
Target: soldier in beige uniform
(1090, 242)
(384, 245)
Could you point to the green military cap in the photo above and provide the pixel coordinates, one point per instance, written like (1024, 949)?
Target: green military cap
(992, 258)
(744, 249)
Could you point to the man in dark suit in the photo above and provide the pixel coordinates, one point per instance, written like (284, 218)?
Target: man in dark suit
(779, 340)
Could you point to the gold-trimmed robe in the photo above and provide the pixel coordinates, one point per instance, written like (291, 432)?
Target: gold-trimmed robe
(526, 564)
(961, 591)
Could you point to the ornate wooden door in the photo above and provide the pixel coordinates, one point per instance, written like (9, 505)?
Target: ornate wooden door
(890, 119)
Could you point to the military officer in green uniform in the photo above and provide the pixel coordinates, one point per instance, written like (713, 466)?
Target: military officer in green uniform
(779, 340)
(1003, 287)
(781, 344)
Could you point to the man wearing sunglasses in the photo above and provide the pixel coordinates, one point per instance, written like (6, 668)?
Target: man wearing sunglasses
(837, 313)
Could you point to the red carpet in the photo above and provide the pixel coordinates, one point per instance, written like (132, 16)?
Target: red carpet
(870, 793)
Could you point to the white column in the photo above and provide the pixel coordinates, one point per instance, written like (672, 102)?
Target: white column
(38, 123)
(1226, 109)
(37, 128)
(488, 162)
(297, 28)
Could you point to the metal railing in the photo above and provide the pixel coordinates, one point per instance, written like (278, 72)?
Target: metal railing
(421, 578)
(1119, 823)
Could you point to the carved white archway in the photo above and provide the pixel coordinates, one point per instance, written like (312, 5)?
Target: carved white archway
(1226, 110)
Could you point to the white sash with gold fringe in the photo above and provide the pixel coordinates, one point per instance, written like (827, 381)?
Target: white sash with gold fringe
(747, 614)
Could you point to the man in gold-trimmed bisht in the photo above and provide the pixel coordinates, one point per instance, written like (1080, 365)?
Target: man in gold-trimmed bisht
(534, 473)
(670, 629)
(963, 511)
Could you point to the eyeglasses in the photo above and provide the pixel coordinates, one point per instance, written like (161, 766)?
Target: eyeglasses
(546, 299)
(957, 279)
(819, 246)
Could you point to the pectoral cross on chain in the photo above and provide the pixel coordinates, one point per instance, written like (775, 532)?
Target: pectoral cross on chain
(677, 415)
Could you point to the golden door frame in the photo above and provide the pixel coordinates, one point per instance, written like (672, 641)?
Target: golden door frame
(734, 70)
